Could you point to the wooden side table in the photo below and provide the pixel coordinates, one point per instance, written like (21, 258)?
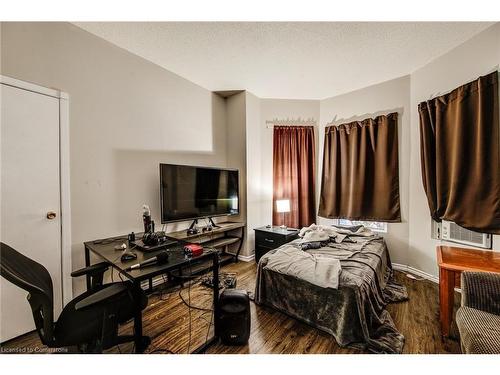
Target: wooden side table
(452, 261)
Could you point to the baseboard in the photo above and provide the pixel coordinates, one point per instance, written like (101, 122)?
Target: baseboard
(415, 271)
(246, 258)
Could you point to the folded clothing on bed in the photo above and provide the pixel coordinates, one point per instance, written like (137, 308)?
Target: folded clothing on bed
(316, 269)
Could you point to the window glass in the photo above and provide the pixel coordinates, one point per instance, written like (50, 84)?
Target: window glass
(375, 226)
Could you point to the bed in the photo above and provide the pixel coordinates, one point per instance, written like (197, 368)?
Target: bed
(349, 302)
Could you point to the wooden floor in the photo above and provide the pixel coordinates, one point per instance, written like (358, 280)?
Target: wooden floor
(167, 321)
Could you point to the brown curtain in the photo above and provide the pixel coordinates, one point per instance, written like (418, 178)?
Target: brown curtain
(459, 141)
(294, 174)
(360, 178)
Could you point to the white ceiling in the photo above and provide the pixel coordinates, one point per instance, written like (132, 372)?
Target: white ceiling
(295, 60)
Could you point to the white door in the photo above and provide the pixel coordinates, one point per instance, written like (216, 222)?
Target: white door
(30, 188)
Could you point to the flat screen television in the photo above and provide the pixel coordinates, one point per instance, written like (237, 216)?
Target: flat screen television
(188, 192)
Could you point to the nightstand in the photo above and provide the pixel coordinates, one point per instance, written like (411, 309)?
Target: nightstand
(267, 239)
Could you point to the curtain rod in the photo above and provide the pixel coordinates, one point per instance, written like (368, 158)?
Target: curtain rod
(348, 121)
(290, 122)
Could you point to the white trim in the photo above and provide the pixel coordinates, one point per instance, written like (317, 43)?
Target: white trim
(28, 86)
(64, 178)
(246, 258)
(64, 170)
(417, 272)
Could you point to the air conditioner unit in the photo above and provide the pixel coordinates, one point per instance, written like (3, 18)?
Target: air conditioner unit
(453, 232)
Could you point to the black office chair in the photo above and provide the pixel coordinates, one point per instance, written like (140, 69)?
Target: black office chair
(90, 321)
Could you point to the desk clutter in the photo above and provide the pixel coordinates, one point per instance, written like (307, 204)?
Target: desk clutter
(159, 260)
(182, 258)
(160, 265)
(161, 257)
(221, 236)
(150, 241)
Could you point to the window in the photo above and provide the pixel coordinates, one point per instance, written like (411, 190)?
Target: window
(375, 226)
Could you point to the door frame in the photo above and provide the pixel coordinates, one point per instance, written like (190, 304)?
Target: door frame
(64, 177)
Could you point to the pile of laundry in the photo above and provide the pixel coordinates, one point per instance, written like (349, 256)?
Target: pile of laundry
(328, 245)
(316, 236)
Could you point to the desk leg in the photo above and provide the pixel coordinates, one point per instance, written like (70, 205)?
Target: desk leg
(87, 264)
(215, 289)
(215, 272)
(242, 238)
(138, 339)
(446, 300)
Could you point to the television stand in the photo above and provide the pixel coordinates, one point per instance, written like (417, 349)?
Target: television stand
(193, 225)
(227, 238)
(212, 223)
(195, 222)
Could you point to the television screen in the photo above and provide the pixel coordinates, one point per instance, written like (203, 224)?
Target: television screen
(188, 192)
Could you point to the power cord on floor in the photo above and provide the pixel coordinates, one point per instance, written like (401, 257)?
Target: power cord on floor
(188, 304)
(191, 279)
(158, 350)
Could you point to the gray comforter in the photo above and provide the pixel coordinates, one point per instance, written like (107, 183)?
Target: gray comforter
(354, 312)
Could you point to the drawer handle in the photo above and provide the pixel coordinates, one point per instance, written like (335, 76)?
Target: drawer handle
(268, 240)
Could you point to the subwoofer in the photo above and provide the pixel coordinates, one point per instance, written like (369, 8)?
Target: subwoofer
(234, 317)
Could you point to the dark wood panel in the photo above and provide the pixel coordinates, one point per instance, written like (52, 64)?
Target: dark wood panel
(166, 320)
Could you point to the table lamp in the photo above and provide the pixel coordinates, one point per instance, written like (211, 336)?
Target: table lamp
(283, 206)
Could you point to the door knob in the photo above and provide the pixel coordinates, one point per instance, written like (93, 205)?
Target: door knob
(51, 215)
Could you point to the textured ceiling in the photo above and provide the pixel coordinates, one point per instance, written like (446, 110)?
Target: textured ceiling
(296, 60)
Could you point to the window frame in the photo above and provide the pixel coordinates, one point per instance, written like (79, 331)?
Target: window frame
(361, 222)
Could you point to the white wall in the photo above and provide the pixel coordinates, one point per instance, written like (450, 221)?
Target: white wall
(236, 119)
(476, 57)
(126, 116)
(253, 169)
(384, 98)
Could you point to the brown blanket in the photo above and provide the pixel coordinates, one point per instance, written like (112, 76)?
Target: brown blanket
(354, 313)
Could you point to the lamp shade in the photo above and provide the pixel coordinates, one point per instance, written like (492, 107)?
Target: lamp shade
(283, 205)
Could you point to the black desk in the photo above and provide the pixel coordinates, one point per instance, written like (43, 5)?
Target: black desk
(105, 249)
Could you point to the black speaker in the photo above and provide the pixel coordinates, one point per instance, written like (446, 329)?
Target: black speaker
(234, 317)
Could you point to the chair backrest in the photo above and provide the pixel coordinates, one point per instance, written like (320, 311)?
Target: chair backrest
(35, 279)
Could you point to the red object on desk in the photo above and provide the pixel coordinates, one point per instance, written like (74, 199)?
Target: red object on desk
(193, 250)
(452, 261)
